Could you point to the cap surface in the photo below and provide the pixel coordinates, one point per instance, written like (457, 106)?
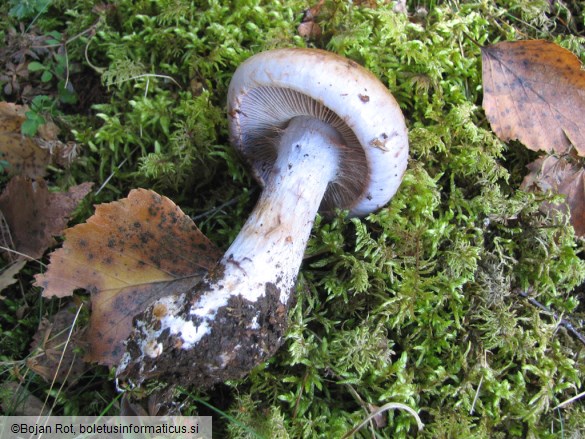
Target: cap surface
(272, 87)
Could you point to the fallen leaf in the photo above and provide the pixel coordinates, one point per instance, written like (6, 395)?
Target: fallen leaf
(534, 91)
(559, 176)
(309, 28)
(11, 116)
(34, 215)
(128, 254)
(23, 155)
(53, 350)
(8, 273)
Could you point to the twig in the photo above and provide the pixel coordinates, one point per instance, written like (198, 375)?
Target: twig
(42, 11)
(213, 211)
(90, 29)
(570, 400)
(300, 395)
(563, 322)
(472, 409)
(484, 365)
(148, 75)
(366, 407)
(30, 258)
(473, 40)
(117, 169)
(99, 70)
(388, 406)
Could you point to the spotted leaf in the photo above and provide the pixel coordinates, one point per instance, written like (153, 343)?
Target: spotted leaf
(128, 254)
(534, 91)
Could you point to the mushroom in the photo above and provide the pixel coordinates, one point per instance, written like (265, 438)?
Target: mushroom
(319, 132)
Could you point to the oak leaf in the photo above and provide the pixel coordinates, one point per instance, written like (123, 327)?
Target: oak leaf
(560, 176)
(128, 254)
(534, 91)
(34, 215)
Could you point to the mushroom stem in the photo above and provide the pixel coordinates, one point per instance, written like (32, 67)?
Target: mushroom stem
(271, 244)
(236, 319)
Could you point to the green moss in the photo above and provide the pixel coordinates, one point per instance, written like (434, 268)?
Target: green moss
(417, 303)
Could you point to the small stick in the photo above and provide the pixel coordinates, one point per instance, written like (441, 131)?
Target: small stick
(221, 206)
(114, 171)
(563, 322)
(569, 401)
(386, 407)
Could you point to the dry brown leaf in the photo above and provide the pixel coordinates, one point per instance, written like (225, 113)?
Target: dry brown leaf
(560, 176)
(534, 91)
(34, 215)
(53, 353)
(11, 116)
(129, 253)
(23, 155)
(309, 28)
(8, 273)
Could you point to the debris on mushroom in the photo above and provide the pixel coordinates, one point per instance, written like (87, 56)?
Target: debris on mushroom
(319, 132)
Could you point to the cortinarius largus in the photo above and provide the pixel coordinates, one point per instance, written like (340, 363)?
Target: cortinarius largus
(319, 131)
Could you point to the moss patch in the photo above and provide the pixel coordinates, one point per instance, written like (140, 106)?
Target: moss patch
(417, 303)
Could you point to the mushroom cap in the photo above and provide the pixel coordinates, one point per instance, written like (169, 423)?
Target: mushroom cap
(272, 87)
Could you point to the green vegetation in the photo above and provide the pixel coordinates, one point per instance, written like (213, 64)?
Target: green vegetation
(417, 304)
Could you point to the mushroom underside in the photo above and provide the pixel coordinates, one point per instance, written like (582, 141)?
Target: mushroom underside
(265, 113)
